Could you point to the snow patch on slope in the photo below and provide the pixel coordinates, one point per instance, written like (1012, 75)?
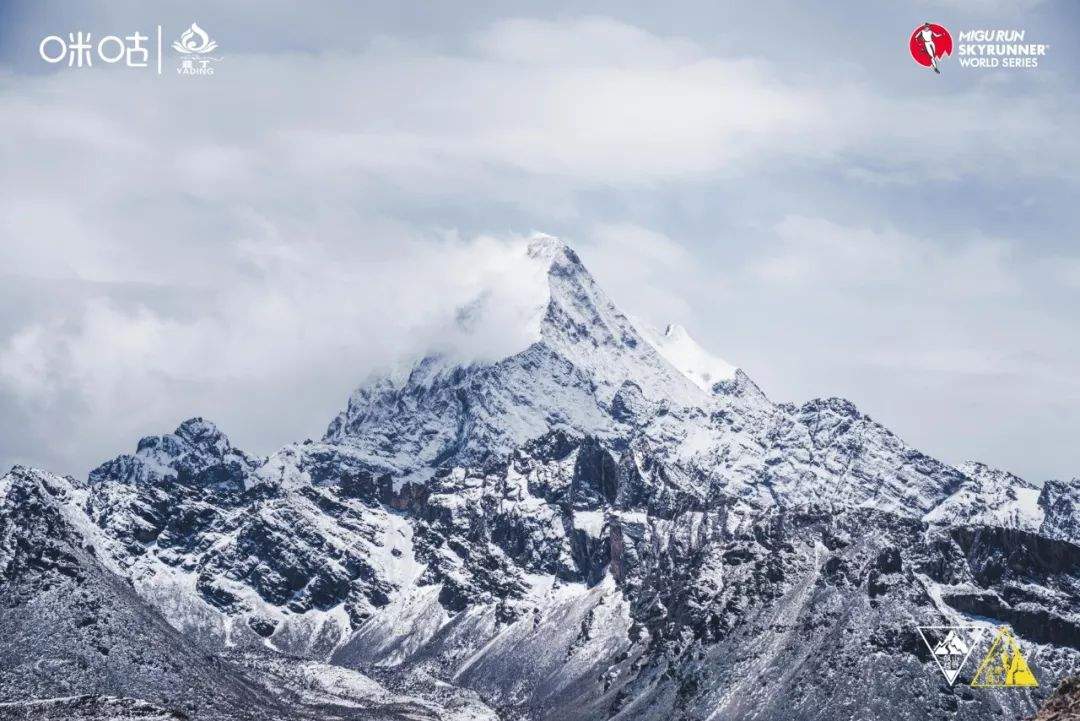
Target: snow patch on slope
(680, 350)
(992, 497)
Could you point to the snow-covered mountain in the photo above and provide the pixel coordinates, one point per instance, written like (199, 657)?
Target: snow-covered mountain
(991, 497)
(607, 523)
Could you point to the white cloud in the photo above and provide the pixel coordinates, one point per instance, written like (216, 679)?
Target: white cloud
(294, 315)
(819, 252)
(584, 43)
(989, 6)
(262, 240)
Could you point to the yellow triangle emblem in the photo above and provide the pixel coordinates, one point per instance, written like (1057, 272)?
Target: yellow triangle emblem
(1004, 664)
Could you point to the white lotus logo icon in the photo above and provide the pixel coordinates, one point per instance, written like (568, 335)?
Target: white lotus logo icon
(194, 40)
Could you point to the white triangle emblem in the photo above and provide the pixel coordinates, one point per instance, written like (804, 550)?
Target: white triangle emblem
(951, 647)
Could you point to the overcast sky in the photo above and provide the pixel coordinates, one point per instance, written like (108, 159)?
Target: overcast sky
(779, 177)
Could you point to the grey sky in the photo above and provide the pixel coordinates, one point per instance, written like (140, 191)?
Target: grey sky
(781, 179)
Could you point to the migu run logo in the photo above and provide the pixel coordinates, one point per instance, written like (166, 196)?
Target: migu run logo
(929, 43)
(975, 49)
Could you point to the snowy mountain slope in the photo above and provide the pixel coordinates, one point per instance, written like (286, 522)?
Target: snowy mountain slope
(680, 350)
(79, 642)
(592, 373)
(234, 552)
(606, 523)
(88, 708)
(991, 497)
(814, 617)
(765, 612)
(994, 497)
(601, 566)
(70, 627)
(585, 352)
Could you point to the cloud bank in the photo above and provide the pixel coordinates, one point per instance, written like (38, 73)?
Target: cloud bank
(251, 247)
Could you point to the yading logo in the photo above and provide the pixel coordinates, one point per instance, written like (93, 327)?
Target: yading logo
(194, 41)
(929, 43)
(1003, 664)
(193, 45)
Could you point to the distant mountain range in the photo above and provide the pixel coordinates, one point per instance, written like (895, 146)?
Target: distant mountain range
(609, 523)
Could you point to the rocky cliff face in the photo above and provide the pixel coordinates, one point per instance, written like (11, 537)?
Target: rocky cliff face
(1060, 505)
(1064, 704)
(609, 523)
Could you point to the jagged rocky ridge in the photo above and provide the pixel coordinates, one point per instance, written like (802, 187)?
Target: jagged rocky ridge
(607, 524)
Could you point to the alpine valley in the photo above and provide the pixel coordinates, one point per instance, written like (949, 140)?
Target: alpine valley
(607, 523)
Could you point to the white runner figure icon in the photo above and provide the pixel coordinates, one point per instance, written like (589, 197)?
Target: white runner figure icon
(927, 34)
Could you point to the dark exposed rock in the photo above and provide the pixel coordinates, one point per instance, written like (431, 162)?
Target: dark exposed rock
(1063, 704)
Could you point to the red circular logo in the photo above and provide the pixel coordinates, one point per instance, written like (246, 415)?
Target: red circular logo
(929, 43)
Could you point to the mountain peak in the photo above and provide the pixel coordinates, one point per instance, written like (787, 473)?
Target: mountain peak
(194, 433)
(201, 431)
(542, 246)
(196, 445)
(580, 350)
(584, 326)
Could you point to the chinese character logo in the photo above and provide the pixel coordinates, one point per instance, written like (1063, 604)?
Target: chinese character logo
(929, 43)
(194, 41)
(79, 49)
